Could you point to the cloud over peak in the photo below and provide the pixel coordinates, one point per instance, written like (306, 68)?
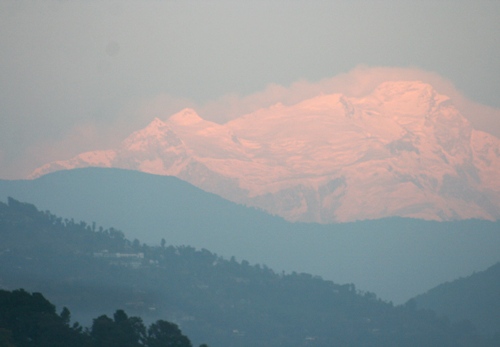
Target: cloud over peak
(358, 82)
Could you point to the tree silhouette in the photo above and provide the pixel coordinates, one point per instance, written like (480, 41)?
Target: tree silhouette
(30, 320)
(163, 333)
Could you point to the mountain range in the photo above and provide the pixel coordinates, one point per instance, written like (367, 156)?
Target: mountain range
(404, 150)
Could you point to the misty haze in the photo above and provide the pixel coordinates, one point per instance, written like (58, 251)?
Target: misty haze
(249, 173)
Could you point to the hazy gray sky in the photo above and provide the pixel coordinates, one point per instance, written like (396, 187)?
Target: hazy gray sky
(81, 75)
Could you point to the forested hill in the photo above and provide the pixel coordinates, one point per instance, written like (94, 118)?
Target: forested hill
(476, 297)
(30, 320)
(226, 303)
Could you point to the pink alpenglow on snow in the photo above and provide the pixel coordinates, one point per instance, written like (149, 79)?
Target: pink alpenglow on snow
(402, 150)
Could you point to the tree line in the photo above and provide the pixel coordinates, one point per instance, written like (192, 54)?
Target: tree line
(30, 320)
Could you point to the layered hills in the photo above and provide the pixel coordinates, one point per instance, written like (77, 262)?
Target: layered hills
(93, 270)
(397, 258)
(403, 150)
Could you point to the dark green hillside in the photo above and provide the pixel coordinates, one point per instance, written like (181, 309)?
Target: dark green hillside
(30, 320)
(221, 302)
(476, 297)
(396, 258)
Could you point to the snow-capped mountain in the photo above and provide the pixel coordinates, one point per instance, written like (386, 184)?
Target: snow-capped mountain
(404, 150)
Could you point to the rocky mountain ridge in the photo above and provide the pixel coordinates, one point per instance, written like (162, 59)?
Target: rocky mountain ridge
(403, 150)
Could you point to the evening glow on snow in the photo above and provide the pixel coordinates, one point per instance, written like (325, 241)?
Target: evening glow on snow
(402, 150)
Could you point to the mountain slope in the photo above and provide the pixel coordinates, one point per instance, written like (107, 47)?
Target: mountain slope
(404, 150)
(395, 258)
(222, 302)
(475, 297)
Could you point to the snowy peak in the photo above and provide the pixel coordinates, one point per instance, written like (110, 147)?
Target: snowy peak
(154, 129)
(322, 102)
(415, 92)
(95, 158)
(157, 132)
(403, 150)
(396, 89)
(408, 97)
(186, 117)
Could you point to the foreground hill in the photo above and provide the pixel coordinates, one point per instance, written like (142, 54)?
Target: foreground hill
(403, 150)
(475, 297)
(30, 320)
(223, 302)
(396, 258)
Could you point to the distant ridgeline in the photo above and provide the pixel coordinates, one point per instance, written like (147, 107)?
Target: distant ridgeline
(476, 298)
(150, 207)
(224, 303)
